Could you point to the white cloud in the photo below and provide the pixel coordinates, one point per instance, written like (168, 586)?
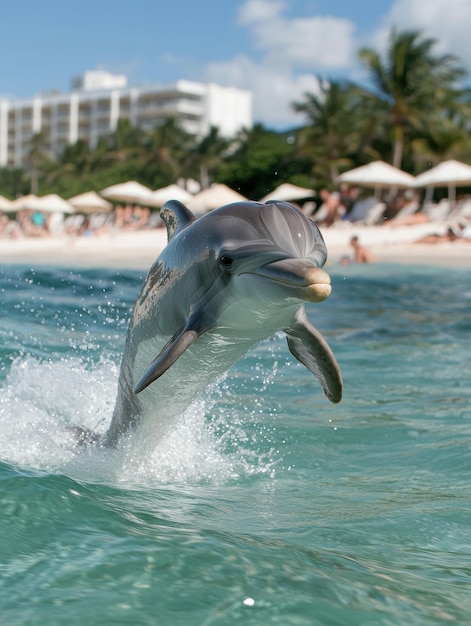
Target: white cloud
(291, 51)
(273, 89)
(255, 11)
(310, 42)
(447, 21)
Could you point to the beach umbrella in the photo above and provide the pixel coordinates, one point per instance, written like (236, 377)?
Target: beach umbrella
(215, 196)
(192, 185)
(23, 202)
(52, 203)
(5, 204)
(287, 191)
(171, 192)
(449, 174)
(376, 175)
(90, 202)
(131, 191)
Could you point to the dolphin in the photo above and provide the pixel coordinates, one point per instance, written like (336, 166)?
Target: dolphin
(223, 283)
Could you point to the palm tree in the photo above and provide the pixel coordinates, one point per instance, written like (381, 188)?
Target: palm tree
(167, 150)
(14, 182)
(334, 131)
(69, 173)
(259, 159)
(411, 83)
(446, 136)
(207, 155)
(37, 160)
(121, 146)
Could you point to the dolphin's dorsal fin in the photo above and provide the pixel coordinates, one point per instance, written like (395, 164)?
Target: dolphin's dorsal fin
(176, 216)
(197, 324)
(312, 350)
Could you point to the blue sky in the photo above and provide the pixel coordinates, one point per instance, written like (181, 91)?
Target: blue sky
(275, 48)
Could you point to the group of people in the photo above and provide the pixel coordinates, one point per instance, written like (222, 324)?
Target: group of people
(457, 232)
(335, 206)
(39, 224)
(402, 209)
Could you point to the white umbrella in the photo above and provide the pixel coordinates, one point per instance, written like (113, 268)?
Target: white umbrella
(52, 203)
(215, 196)
(192, 185)
(90, 202)
(5, 204)
(171, 192)
(132, 191)
(287, 192)
(23, 202)
(449, 174)
(377, 174)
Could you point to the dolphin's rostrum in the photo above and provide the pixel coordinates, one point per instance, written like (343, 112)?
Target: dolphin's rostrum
(222, 284)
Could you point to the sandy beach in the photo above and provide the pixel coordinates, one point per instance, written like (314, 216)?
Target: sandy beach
(138, 250)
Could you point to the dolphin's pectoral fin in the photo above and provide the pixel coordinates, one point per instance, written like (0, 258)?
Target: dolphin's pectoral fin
(312, 350)
(167, 357)
(175, 216)
(182, 339)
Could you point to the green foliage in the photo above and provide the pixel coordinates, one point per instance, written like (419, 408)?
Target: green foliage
(13, 182)
(337, 128)
(207, 155)
(262, 160)
(412, 85)
(413, 111)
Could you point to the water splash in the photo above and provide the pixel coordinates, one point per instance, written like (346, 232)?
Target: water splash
(215, 440)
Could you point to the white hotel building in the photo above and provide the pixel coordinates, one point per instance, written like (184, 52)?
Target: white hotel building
(99, 99)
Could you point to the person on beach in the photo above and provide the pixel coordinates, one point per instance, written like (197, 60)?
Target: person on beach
(453, 233)
(331, 209)
(403, 210)
(361, 254)
(9, 228)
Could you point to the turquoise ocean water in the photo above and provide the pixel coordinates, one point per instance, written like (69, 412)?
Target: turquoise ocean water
(266, 505)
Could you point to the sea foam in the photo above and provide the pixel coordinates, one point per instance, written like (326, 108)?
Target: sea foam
(41, 401)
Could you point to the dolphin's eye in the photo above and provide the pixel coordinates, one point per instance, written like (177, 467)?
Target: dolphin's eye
(226, 261)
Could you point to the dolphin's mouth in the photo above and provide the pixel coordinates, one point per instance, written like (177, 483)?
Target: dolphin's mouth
(307, 282)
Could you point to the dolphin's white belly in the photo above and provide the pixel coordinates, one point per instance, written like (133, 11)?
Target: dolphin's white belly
(201, 364)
